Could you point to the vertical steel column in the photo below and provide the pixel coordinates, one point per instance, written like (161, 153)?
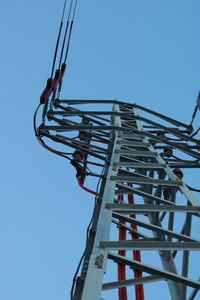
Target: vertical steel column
(97, 263)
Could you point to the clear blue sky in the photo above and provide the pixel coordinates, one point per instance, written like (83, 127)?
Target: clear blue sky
(144, 52)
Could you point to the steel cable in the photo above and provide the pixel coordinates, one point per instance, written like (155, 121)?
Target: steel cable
(70, 31)
(34, 120)
(58, 39)
(195, 133)
(65, 34)
(41, 142)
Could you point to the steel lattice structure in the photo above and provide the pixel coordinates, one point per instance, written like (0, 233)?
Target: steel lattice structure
(143, 208)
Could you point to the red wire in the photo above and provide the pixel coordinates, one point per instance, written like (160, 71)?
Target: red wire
(122, 292)
(86, 189)
(139, 290)
(103, 142)
(95, 164)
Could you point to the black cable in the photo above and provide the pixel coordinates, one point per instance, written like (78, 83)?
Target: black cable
(58, 40)
(70, 31)
(192, 188)
(194, 114)
(195, 133)
(41, 141)
(63, 45)
(83, 255)
(74, 9)
(34, 120)
(75, 275)
(63, 13)
(70, 9)
(56, 50)
(68, 42)
(65, 34)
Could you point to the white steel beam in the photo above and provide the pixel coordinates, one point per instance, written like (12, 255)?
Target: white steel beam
(129, 282)
(153, 270)
(97, 262)
(124, 208)
(149, 245)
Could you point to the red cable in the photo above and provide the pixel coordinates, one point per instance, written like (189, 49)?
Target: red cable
(86, 189)
(122, 292)
(103, 142)
(95, 164)
(139, 290)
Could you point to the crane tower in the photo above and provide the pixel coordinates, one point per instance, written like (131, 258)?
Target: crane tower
(143, 229)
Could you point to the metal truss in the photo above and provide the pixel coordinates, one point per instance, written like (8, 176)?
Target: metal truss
(142, 196)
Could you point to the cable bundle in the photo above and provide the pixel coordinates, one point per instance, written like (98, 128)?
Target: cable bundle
(56, 79)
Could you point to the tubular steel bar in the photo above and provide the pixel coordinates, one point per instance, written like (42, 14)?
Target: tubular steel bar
(149, 245)
(124, 208)
(155, 271)
(130, 282)
(132, 150)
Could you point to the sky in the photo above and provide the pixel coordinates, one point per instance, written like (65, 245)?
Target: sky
(144, 52)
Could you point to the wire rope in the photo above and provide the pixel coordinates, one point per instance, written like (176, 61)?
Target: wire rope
(192, 189)
(58, 39)
(42, 143)
(34, 119)
(70, 31)
(195, 133)
(194, 114)
(65, 34)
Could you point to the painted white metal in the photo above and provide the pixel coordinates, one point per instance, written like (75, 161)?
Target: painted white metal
(134, 159)
(93, 282)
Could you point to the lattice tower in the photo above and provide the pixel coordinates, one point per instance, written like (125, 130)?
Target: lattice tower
(144, 225)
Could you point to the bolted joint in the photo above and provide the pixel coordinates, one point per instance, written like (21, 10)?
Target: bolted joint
(92, 231)
(99, 261)
(85, 267)
(99, 199)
